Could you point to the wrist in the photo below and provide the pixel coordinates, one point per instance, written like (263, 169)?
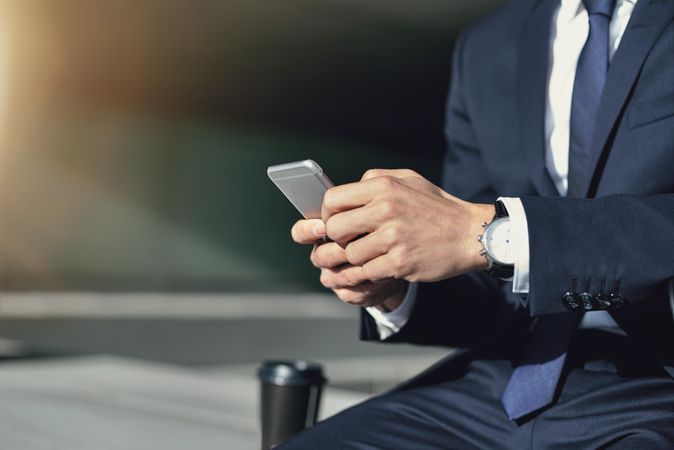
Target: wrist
(497, 244)
(476, 260)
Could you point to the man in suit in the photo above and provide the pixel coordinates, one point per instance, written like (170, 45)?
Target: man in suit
(560, 124)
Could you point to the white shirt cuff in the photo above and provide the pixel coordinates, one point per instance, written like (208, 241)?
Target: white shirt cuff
(520, 242)
(389, 323)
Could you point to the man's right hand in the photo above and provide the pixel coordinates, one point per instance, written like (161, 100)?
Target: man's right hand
(349, 285)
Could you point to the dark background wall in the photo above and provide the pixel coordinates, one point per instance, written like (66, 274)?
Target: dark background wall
(138, 131)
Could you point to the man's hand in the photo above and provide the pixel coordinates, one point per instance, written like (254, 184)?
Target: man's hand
(337, 274)
(394, 224)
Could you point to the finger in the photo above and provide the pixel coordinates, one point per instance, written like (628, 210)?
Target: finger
(382, 267)
(342, 277)
(328, 255)
(364, 295)
(367, 248)
(396, 173)
(350, 196)
(348, 225)
(308, 231)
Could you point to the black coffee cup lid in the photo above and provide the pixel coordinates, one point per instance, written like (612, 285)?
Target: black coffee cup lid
(291, 372)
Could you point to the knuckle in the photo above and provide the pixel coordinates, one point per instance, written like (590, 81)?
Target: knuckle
(412, 278)
(347, 278)
(387, 182)
(411, 273)
(325, 279)
(398, 263)
(355, 276)
(329, 199)
(371, 173)
(367, 271)
(316, 257)
(337, 255)
(388, 209)
(329, 257)
(333, 229)
(351, 254)
(393, 235)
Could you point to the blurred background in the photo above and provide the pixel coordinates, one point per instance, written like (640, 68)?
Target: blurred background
(136, 218)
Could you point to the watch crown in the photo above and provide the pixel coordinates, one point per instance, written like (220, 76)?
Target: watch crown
(480, 238)
(483, 252)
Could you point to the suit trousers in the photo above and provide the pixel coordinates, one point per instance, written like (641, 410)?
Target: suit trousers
(612, 396)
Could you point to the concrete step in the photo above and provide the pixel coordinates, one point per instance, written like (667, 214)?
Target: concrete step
(190, 328)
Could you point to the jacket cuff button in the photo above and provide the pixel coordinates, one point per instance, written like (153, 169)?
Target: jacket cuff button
(570, 301)
(602, 301)
(587, 300)
(617, 300)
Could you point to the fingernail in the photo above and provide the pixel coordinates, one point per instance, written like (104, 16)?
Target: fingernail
(319, 229)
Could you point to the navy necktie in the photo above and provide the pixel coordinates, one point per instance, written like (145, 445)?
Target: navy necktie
(534, 381)
(587, 90)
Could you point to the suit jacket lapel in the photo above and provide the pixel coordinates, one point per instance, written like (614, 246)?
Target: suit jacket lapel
(534, 49)
(647, 23)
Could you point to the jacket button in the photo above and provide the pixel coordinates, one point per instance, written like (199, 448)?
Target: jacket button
(616, 300)
(602, 301)
(587, 300)
(570, 301)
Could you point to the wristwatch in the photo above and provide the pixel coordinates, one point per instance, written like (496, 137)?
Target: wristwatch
(497, 245)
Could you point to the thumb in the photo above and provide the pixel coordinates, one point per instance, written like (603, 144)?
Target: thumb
(396, 173)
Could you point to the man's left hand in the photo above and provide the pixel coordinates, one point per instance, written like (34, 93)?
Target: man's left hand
(397, 224)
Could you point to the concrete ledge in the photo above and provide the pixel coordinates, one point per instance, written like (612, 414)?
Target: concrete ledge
(190, 329)
(98, 305)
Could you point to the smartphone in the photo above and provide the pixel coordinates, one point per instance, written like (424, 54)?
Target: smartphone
(303, 183)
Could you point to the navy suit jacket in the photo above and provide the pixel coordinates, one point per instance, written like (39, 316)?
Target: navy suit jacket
(619, 239)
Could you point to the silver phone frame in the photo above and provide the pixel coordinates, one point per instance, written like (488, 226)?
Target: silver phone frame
(298, 169)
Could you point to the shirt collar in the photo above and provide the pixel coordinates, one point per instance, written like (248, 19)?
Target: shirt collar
(569, 9)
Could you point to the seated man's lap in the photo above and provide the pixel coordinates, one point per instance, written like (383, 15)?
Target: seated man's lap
(456, 405)
(463, 411)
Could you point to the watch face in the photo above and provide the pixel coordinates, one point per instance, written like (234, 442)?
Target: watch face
(497, 241)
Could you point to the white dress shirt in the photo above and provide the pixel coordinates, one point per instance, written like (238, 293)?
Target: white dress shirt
(569, 31)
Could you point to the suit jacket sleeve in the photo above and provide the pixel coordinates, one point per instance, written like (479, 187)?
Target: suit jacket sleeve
(617, 244)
